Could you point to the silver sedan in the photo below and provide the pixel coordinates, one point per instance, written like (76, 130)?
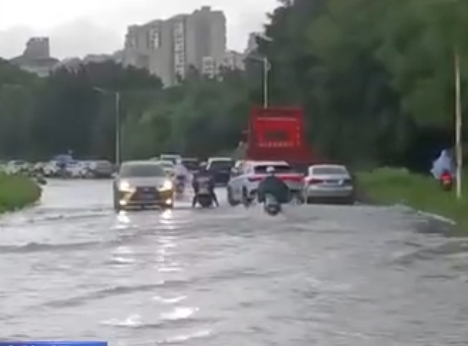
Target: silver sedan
(326, 182)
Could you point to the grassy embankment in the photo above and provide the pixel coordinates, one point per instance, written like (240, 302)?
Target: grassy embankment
(391, 186)
(17, 192)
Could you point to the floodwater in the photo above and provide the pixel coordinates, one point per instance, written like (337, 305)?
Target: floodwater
(316, 275)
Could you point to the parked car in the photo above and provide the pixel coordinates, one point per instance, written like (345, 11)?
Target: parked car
(77, 169)
(168, 166)
(170, 157)
(243, 184)
(101, 169)
(16, 167)
(326, 182)
(51, 169)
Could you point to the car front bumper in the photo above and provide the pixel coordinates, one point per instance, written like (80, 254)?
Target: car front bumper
(145, 197)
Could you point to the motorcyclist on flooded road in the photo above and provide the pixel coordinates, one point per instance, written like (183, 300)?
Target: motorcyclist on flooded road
(274, 186)
(201, 176)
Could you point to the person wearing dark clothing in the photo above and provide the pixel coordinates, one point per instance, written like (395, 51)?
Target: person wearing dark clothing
(203, 177)
(62, 166)
(274, 186)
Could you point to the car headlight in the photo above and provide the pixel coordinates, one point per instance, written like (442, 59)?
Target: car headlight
(166, 186)
(125, 186)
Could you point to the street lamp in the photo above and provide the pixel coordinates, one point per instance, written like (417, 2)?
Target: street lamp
(458, 126)
(117, 122)
(266, 68)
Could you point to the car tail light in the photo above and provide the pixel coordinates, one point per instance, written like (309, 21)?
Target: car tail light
(314, 181)
(293, 178)
(255, 178)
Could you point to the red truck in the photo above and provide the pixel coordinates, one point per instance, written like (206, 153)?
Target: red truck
(277, 133)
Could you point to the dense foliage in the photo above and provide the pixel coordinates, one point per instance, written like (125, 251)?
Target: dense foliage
(17, 191)
(376, 79)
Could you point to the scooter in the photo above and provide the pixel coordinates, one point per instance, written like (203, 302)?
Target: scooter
(271, 205)
(204, 197)
(446, 181)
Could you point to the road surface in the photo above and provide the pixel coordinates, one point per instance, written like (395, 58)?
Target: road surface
(317, 275)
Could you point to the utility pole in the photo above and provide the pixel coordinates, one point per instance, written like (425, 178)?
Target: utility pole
(458, 125)
(266, 70)
(118, 132)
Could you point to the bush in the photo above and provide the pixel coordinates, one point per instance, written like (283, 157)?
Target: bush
(17, 191)
(391, 185)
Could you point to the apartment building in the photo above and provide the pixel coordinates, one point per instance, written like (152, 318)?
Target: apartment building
(36, 57)
(167, 48)
(234, 60)
(251, 43)
(37, 48)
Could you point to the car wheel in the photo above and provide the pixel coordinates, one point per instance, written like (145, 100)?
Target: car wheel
(232, 202)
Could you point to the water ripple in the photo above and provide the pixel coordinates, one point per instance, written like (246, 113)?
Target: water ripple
(112, 292)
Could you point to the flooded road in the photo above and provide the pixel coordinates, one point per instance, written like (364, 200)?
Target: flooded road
(317, 275)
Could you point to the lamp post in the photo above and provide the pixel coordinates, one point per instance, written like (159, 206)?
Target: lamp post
(117, 122)
(266, 68)
(458, 125)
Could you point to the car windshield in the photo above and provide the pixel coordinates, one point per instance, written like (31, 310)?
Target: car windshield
(261, 169)
(142, 170)
(329, 170)
(221, 164)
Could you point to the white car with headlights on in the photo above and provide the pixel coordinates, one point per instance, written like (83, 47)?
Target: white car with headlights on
(142, 184)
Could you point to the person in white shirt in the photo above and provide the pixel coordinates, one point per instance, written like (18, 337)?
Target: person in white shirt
(181, 173)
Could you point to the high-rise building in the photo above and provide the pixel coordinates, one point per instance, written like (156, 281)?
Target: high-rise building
(167, 48)
(37, 48)
(251, 43)
(234, 60)
(36, 57)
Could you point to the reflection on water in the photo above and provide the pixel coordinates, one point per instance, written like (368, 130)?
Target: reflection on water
(317, 275)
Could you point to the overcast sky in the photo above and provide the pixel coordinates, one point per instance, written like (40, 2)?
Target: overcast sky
(81, 27)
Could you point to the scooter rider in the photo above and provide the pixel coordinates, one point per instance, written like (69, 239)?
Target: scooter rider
(203, 174)
(274, 186)
(180, 171)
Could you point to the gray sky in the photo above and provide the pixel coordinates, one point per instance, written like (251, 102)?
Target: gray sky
(81, 27)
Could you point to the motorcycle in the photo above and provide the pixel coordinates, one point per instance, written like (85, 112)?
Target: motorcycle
(446, 181)
(271, 205)
(204, 196)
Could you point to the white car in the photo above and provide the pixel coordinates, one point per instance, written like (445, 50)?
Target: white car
(170, 157)
(51, 169)
(77, 169)
(244, 183)
(168, 166)
(16, 166)
(329, 182)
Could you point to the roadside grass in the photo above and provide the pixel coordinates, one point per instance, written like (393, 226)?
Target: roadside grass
(393, 185)
(17, 191)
